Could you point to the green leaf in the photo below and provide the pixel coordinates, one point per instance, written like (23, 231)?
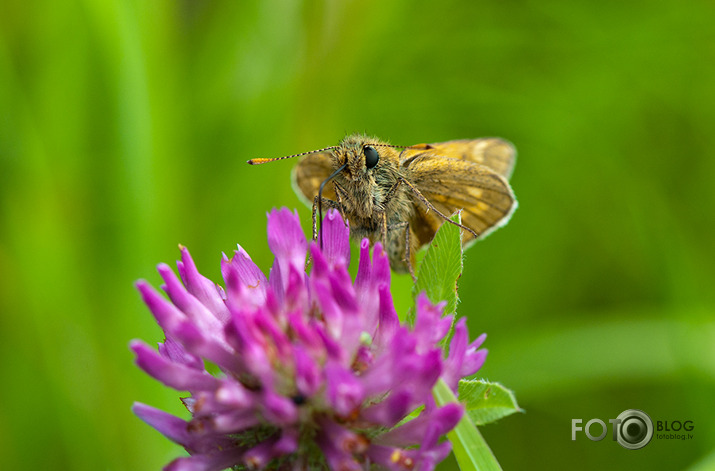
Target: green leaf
(411, 416)
(441, 267)
(468, 445)
(486, 402)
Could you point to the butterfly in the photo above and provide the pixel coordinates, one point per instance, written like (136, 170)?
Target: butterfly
(401, 195)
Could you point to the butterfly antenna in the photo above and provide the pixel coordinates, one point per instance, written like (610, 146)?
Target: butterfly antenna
(260, 160)
(405, 148)
(391, 145)
(320, 199)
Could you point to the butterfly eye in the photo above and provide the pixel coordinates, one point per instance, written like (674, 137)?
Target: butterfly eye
(371, 156)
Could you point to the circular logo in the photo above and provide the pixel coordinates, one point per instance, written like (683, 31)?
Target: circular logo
(634, 430)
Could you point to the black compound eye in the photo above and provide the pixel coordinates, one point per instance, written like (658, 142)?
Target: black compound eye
(371, 156)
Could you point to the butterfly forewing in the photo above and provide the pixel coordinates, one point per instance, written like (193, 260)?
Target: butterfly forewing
(493, 152)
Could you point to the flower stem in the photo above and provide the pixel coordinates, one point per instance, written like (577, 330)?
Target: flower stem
(468, 445)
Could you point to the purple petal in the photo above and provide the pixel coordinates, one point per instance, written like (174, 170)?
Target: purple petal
(364, 266)
(166, 314)
(233, 394)
(388, 320)
(175, 352)
(370, 277)
(212, 348)
(189, 305)
(336, 239)
(275, 282)
(474, 357)
(363, 359)
(242, 334)
(286, 240)
(379, 272)
(274, 336)
(245, 283)
(457, 349)
(234, 421)
(279, 409)
(473, 362)
(260, 455)
(230, 396)
(430, 326)
(210, 462)
(413, 432)
(343, 439)
(172, 427)
(378, 378)
(338, 445)
(418, 374)
(430, 459)
(344, 391)
(394, 459)
(296, 293)
(430, 367)
(404, 371)
(321, 268)
(174, 375)
(176, 325)
(288, 443)
(305, 334)
(343, 292)
(328, 305)
(201, 287)
(390, 411)
(431, 451)
(308, 377)
(332, 348)
(338, 306)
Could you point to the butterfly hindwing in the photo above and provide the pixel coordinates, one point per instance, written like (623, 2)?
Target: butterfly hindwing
(452, 184)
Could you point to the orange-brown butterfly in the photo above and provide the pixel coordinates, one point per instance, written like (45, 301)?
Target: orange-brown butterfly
(401, 195)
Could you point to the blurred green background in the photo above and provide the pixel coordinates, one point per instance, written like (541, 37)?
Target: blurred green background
(125, 127)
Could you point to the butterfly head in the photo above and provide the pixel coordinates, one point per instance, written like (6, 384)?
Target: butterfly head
(364, 156)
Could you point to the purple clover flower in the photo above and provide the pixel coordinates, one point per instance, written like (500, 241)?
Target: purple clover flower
(315, 370)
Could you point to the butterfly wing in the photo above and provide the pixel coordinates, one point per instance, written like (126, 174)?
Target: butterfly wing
(451, 184)
(493, 152)
(309, 173)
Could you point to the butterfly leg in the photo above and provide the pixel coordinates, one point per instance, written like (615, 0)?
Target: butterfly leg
(408, 252)
(407, 259)
(383, 215)
(383, 229)
(391, 192)
(330, 204)
(430, 206)
(342, 196)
